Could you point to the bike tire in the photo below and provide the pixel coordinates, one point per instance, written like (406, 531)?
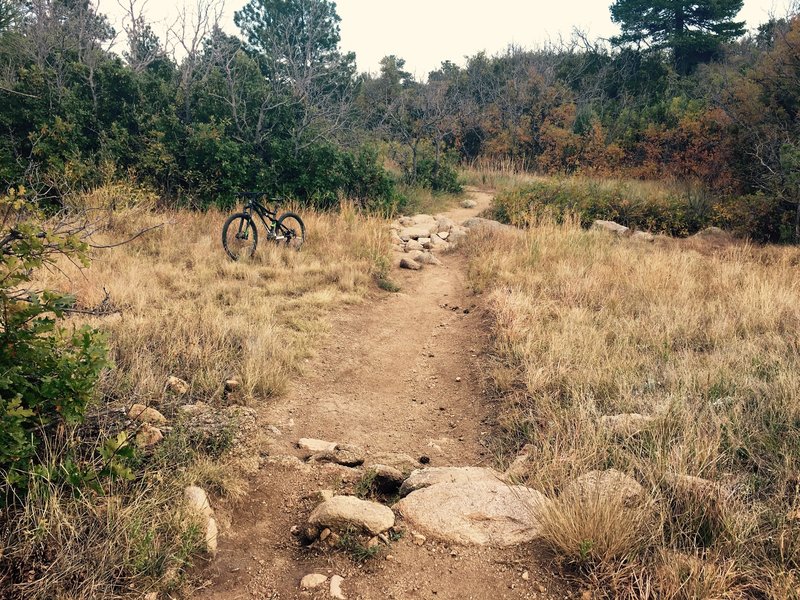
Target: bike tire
(243, 243)
(290, 231)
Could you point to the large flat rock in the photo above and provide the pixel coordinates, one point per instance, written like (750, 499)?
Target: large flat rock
(422, 478)
(480, 513)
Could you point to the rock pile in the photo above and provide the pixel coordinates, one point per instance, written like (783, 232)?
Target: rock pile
(422, 235)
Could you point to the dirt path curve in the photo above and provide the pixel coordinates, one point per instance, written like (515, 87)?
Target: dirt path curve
(398, 373)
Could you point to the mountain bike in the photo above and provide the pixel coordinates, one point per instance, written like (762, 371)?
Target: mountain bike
(240, 235)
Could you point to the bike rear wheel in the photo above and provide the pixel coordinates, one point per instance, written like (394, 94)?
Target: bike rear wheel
(290, 231)
(239, 236)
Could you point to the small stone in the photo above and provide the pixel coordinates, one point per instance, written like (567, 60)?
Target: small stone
(418, 539)
(336, 588)
(390, 557)
(526, 576)
(412, 265)
(373, 542)
(542, 589)
(324, 534)
(312, 580)
(424, 459)
(148, 436)
(145, 414)
(412, 245)
(231, 385)
(151, 596)
(176, 385)
(468, 203)
(458, 379)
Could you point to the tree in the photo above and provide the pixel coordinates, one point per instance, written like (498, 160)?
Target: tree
(692, 31)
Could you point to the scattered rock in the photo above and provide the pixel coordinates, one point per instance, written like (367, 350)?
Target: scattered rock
(313, 445)
(414, 233)
(396, 460)
(197, 501)
(478, 512)
(231, 385)
(443, 235)
(312, 580)
(148, 436)
(422, 478)
(606, 486)
(426, 258)
(176, 385)
(643, 236)
(481, 222)
(336, 588)
(611, 227)
(457, 236)
(626, 425)
(407, 263)
(413, 245)
(518, 469)
(324, 534)
(468, 203)
(342, 454)
(193, 409)
(211, 536)
(373, 542)
(418, 539)
(145, 414)
(526, 576)
(341, 512)
(713, 234)
(425, 241)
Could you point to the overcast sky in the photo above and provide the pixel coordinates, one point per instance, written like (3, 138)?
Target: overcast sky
(427, 32)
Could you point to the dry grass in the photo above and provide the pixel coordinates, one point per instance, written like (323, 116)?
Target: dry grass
(706, 343)
(184, 309)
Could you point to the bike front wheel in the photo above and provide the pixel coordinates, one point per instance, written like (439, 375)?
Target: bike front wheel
(290, 231)
(240, 236)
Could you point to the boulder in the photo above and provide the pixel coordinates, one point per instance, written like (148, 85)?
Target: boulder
(443, 235)
(413, 245)
(407, 263)
(312, 580)
(626, 425)
(423, 219)
(176, 385)
(406, 221)
(712, 233)
(468, 203)
(611, 227)
(606, 486)
(643, 236)
(425, 241)
(148, 436)
(422, 478)
(315, 446)
(479, 512)
(145, 414)
(342, 512)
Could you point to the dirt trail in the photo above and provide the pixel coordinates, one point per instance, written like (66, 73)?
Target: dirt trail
(386, 380)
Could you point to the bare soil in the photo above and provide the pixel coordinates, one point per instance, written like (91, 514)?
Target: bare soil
(398, 373)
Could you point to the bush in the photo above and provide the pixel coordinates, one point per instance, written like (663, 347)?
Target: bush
(48, 373)
(660, 208)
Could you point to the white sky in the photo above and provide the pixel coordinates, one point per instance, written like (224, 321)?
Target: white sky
(427, 32)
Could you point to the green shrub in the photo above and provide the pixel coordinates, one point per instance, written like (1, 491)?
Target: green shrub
(668, 209)
(47, 373)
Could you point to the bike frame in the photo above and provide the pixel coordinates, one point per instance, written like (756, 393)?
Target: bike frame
(268, 217)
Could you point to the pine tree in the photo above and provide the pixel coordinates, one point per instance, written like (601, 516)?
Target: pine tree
(691, 31)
